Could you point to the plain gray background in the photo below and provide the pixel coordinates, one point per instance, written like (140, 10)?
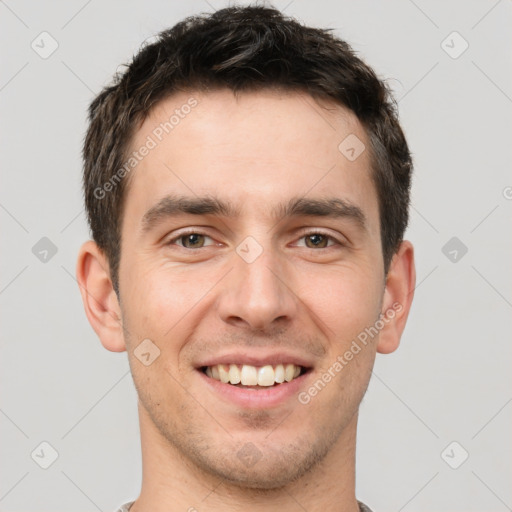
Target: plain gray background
(450, 379)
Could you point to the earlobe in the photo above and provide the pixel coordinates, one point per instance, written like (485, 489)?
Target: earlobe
(398, 295)
(100, 300)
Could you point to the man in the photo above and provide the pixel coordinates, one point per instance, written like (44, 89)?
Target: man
(247, 186)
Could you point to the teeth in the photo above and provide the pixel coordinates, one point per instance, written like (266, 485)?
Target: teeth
(234, 374)
(289, 372)
(279, 374)
(266, 376)
(223, 373)
(248, 375)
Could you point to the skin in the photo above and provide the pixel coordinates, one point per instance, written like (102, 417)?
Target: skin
(255, 150)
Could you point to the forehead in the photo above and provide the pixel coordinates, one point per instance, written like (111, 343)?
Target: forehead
(251, 150)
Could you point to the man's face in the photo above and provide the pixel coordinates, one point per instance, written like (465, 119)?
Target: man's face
(265, 287)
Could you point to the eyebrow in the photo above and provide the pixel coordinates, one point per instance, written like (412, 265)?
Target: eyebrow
(172, 206)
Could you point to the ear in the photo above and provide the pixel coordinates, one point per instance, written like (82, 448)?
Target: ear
(99, 298)
(398, 295)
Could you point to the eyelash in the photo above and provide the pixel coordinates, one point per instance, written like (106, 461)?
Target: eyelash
(303, 235)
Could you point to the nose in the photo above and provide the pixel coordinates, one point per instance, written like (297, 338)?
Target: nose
(258, 295)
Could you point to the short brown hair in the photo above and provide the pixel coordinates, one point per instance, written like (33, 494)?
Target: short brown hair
(242, 49)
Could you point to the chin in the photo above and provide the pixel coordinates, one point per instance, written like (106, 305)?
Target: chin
(269, 469)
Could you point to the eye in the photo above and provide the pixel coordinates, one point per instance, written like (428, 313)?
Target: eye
(318, 240)
(197, 240)
(190, 240)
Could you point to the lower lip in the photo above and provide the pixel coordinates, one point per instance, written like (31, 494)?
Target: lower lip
(256, 398)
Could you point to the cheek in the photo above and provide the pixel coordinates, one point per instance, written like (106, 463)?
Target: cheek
(160, 299)
(346, 299)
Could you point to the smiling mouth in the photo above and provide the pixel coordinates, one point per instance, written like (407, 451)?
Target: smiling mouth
(254, 377)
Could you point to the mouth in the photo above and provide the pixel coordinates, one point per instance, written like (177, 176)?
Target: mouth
(247, 376)
(261, 379)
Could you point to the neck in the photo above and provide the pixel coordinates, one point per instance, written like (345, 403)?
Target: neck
(171, 482)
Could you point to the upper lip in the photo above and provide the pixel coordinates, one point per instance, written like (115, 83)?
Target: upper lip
(257, 359)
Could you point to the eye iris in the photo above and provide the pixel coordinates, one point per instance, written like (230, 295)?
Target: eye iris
(192, 239)
(317, 240)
